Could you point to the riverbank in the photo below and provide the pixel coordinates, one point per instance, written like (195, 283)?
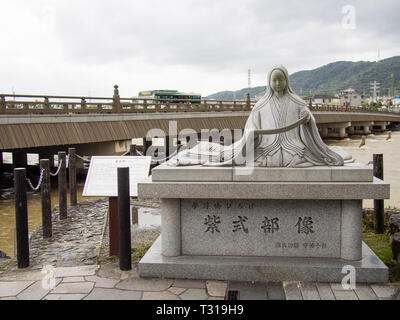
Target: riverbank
(82, 238)
(7, 213)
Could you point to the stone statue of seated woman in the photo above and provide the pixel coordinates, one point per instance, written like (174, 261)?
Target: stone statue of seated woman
(280, 129)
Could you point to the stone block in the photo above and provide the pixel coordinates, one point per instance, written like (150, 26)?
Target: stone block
(113, 294)
(217, 288)
(309, 291)
(192, 284)
(102, 282)
(35, 291)
(325, 291)
(62, 272)
(384, 291)
(176, 291)
(165, 172)
(13, 288)
(365, 292)
(73, 287)
(283, 174)
(370, 269)
(249, 291)
(266, 190)
(194, 294)
(73, 279)
(345, 294)
(275, 291)
(292, 290)
(74, 296)
(351, 172)
(297, 228)
(140, 284)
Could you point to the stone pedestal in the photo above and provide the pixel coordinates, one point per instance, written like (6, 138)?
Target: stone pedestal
(250, 224)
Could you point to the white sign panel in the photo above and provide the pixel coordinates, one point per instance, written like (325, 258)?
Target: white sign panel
(101, 179)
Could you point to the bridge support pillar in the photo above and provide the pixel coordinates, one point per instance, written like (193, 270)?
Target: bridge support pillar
(380, 126)
(342, 133)
(361, 128)
(324, 132)
(334, 130)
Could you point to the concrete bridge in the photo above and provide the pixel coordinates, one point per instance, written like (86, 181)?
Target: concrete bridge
(98, 125)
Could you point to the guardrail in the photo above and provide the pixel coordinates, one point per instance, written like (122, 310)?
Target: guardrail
(43, 104)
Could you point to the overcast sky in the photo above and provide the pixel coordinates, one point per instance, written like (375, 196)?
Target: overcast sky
(68, 47)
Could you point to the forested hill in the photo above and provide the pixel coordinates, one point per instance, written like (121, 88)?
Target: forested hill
(333, 77)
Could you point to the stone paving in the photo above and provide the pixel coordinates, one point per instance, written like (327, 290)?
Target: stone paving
(107, 282)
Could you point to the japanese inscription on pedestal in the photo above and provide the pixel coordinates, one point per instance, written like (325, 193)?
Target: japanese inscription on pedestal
(259, 224)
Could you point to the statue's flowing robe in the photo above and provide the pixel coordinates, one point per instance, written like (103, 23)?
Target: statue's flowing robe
(299, 147)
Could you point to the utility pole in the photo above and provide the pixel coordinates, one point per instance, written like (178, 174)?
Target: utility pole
(249, 87)
(392, 76)
(375, 89)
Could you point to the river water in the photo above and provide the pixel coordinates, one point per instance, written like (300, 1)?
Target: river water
(375, 143)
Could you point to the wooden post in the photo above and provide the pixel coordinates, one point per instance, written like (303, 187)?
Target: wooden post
(116, 100)
(83, 104)
(45, 190)
(135, 215)
(113, 226)
(125, 256)
(248, 101)
(167, 146)
(46, 104)
(132, 150)
(72, 176)
(147, 142)
(379, 204)
(2, 104)
(62, 185)
(21, 217)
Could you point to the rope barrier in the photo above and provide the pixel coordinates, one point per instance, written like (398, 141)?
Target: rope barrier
(140, 154)
(80, 157)
(39, 183)
(58, 169)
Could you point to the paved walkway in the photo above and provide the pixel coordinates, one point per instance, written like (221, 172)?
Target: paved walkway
(107, 282)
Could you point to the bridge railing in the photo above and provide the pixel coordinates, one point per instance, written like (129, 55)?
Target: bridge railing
(339, 108)
(43, 104)
(31, 104)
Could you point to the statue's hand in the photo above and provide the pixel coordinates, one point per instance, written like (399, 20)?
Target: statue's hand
(305, 113)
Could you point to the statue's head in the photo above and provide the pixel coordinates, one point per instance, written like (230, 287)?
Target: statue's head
(278, 84)
(278, 81)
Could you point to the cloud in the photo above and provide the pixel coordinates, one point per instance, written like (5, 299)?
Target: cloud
(73, 47)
